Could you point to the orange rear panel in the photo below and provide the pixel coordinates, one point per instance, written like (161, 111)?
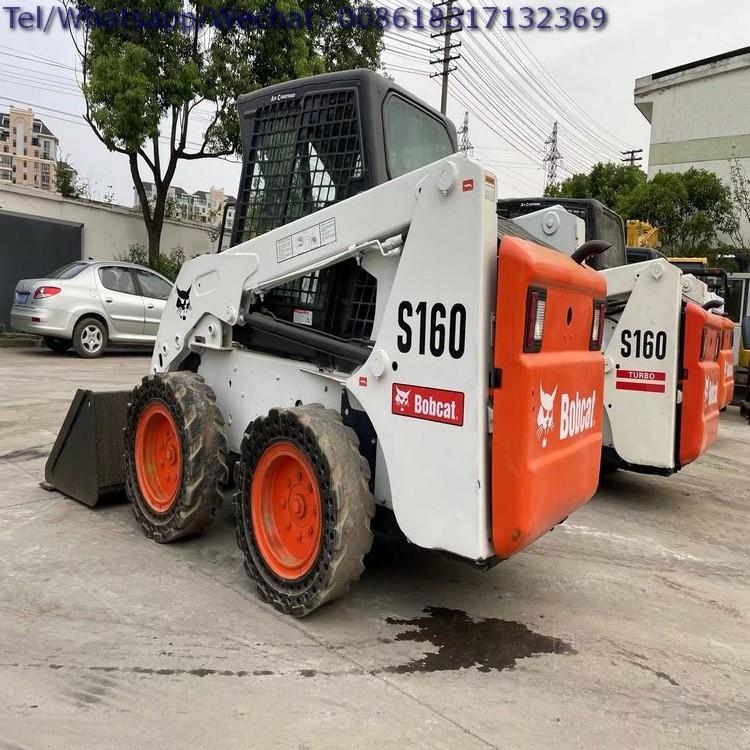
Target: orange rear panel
(547, 410)
(700, 386)
(726, 363)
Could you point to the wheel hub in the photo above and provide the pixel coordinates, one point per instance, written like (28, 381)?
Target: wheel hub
(158, 456)
(285, 507)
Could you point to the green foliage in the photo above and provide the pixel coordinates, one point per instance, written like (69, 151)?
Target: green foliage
(138, 80)
(167, 265)
(65, 181)
(608, 183)
(690, 208)
(739, 188)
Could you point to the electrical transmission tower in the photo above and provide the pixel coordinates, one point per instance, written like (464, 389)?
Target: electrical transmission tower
(552, 158)
(443, 53)
(629, 157)
(464, 144)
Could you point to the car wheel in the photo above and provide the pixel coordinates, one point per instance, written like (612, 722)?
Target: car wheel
(90, 338)
(57, 345)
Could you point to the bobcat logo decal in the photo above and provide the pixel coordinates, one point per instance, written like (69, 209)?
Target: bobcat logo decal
(545, 421)
(402, 398)
(183, 301)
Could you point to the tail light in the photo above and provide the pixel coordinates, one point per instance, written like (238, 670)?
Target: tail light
(597, 325)
(703, 344)
(46, 291)
(536, 304)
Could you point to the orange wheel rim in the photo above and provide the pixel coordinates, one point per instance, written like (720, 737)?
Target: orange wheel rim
(158, 457)
(286, 510)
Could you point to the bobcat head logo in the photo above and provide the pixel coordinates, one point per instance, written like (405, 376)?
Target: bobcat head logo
(402, 398)
(545, 420)
(183, 301)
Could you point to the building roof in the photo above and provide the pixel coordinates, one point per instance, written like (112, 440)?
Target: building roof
(701, 63)
(201, 194)
(38, 126)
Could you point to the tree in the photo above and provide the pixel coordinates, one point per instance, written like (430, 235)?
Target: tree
(68, 183)
(691, 209)
(739, 188)
(608, 183)
(140, 79)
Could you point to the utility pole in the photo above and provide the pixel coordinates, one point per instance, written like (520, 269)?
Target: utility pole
(552, 158)
(464, 144)
(629, 157)
(444, 56)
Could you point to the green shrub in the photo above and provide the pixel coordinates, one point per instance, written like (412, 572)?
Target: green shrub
(167, 265)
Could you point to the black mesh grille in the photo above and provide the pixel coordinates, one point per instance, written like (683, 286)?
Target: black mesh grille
(307, 292)
(361, 315)
(303, 155)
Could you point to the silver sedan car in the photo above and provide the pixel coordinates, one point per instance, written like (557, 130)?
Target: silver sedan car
(89, 304)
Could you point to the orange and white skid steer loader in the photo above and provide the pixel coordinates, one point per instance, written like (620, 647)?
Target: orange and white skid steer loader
(661, 351)
(370, 339)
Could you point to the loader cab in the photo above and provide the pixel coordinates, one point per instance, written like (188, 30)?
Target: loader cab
(309, 144)
(601, 223)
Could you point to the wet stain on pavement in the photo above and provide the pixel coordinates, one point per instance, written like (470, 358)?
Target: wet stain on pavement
(38, 451)
(487, 644)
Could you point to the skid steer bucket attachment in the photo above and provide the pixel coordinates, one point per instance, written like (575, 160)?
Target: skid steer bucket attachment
(86, 462)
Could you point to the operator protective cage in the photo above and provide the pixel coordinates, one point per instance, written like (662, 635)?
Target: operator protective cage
(312, 143)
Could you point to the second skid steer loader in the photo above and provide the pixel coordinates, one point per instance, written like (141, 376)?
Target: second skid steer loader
(371, 339)
(661, 356)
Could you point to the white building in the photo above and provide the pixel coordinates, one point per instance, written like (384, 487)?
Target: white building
(201, 206)
(699, 114)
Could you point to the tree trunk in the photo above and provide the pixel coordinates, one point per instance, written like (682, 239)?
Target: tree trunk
(154, 240)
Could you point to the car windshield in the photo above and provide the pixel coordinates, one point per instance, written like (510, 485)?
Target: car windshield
(68, 272)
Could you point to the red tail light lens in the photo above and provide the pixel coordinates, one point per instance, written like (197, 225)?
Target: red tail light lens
(536, 306)
(46, 291)
(597, 325)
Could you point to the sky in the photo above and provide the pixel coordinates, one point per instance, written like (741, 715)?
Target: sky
(596, 70)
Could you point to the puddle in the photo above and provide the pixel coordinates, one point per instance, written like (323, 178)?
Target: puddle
(462, 642)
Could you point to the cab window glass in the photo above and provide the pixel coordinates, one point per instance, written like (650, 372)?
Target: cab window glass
(117, 279)
(413, 137)
(152, 285)
(733, 306)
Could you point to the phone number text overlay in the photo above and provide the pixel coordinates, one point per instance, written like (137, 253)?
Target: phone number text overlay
(434, 19)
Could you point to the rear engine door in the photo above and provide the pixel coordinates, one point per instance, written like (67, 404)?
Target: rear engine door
(699, 423)
(548, 391)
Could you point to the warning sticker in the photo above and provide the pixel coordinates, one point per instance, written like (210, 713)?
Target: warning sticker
(303, 317)
(308, 239)
(489, 187)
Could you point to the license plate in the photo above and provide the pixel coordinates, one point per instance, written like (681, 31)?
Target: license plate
(22, 297)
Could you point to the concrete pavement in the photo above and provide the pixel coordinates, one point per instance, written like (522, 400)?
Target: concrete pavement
(626, 626)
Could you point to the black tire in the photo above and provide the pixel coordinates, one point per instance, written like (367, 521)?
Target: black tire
(203, 450)
(342, 477)
(90, 338)
(57, 345)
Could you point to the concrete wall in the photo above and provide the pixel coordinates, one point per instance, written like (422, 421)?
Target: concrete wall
(107, 230)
